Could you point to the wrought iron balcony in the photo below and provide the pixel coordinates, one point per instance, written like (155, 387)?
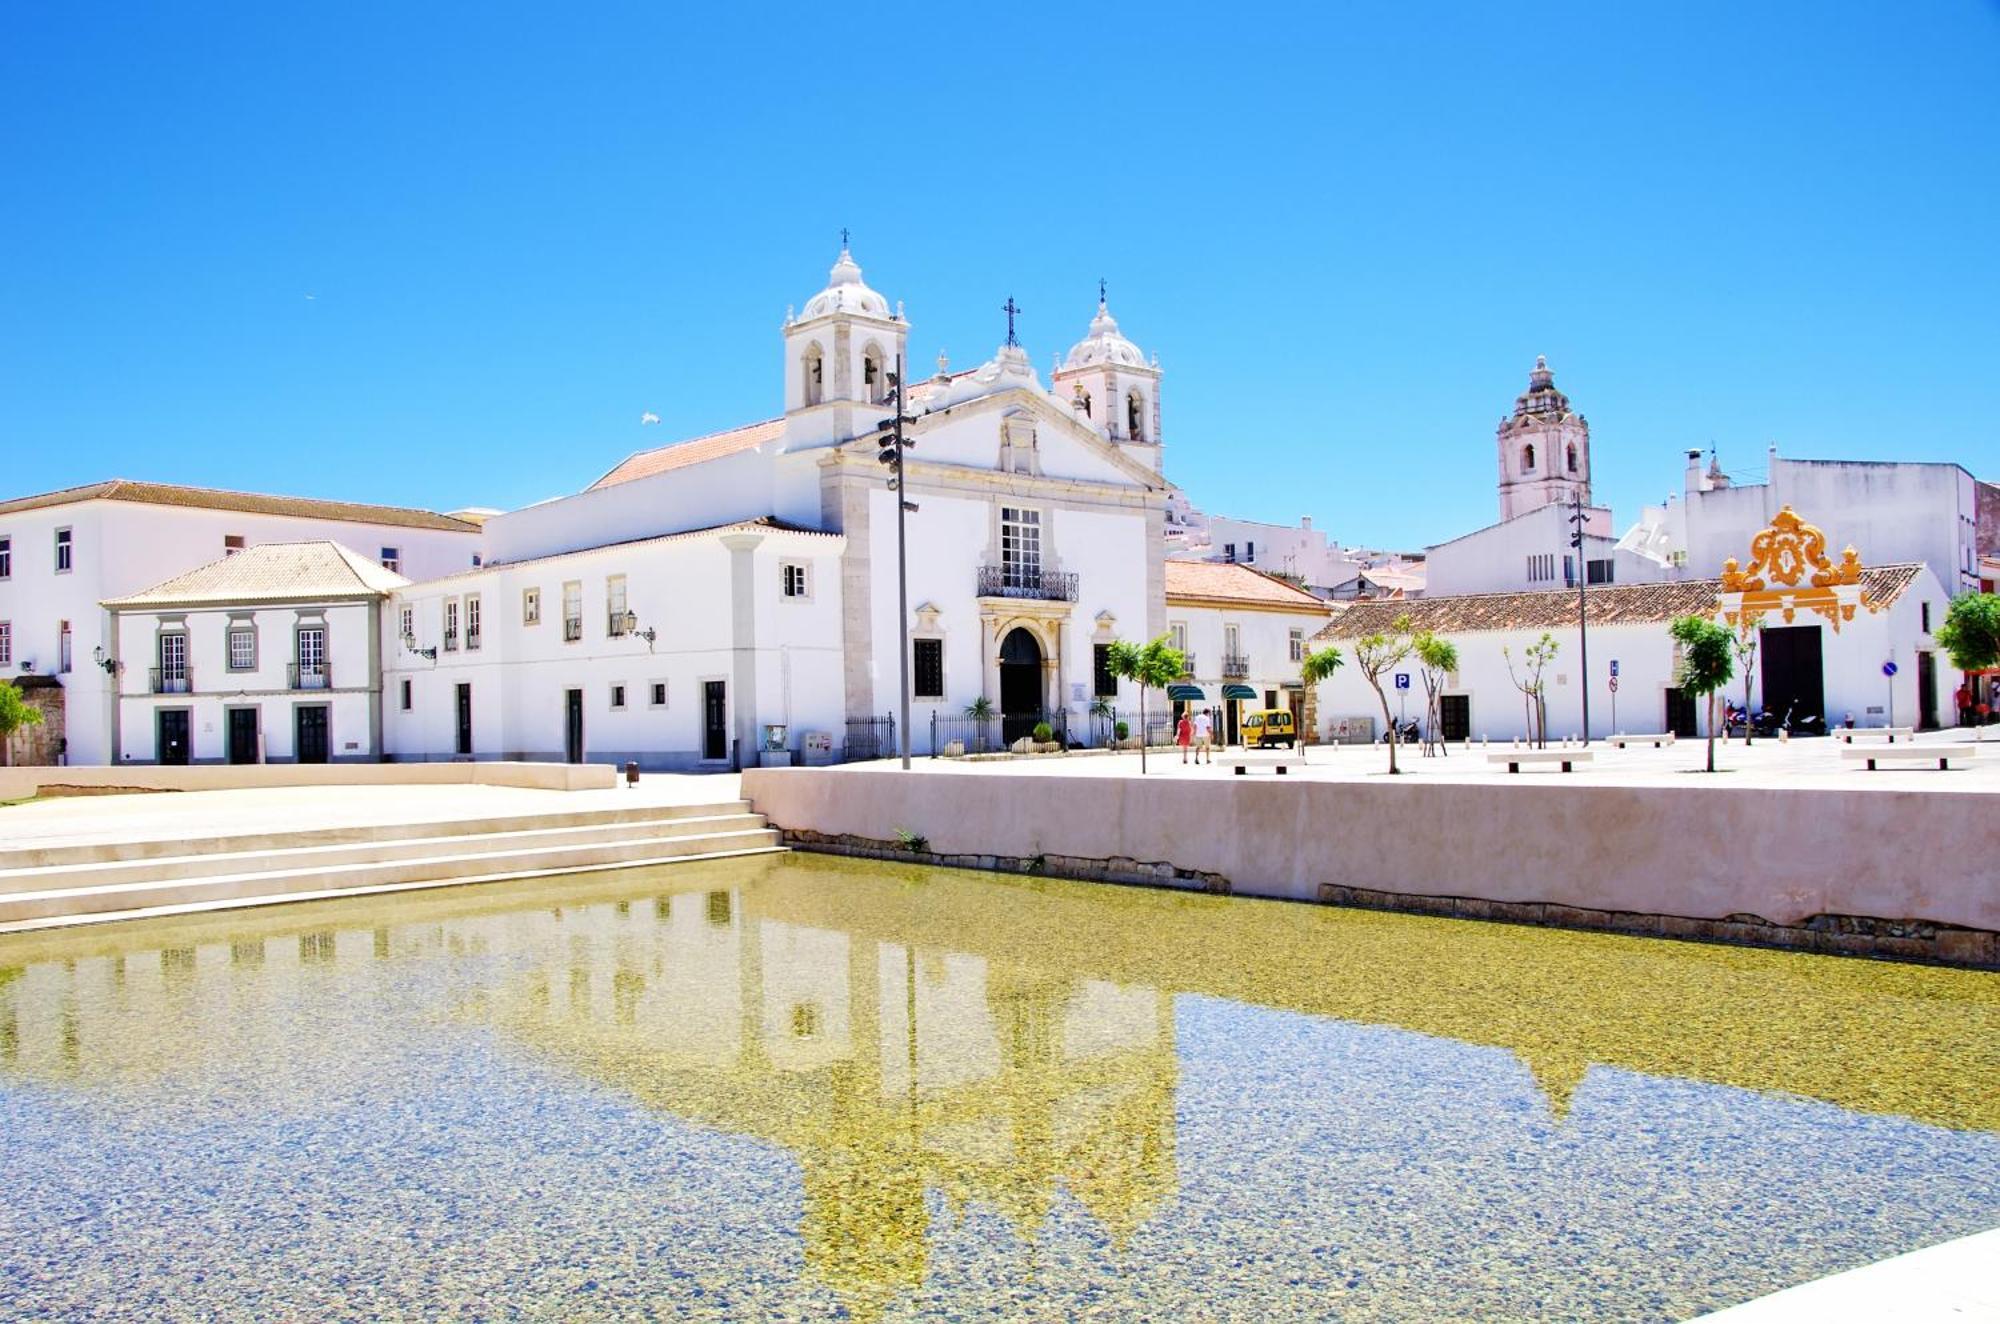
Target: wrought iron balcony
(1013, 581)
(310, 677)
(451, 641)
(1187, 664)
(1235, 666)
(572, 629)
(172, 680)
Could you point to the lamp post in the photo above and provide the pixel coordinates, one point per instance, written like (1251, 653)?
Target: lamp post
(893, 444)
(1582, 617)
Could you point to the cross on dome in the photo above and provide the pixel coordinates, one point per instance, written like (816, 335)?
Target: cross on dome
(845, 291)
(1105, 344)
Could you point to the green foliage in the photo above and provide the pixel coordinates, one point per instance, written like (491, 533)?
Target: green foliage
(1438, 658)
(1375, 654)
(1320, 666)
(980, 709)
(15, 712)
(1044, 733)
(912, 841)
(1535, 658)
(1435, 652)
(1970, 632)
(1154, 665)
(1101, 706)
(1708, 660)
(1122, 729)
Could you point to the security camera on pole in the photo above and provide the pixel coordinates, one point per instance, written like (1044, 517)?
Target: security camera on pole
(893, 444)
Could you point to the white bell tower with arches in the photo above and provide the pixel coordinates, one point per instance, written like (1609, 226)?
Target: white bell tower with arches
(1544, 448)
(839, 352)
(1112, 388)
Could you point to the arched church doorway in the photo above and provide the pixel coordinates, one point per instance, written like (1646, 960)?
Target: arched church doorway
(1020, 684)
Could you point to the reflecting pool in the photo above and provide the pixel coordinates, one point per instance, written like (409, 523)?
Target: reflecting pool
(805, 1088)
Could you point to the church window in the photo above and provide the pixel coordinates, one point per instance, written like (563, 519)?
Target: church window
(1083, 397)
(1572, 457)
(1528, 458)
(1135, 416)
(1020, 548)
(927, 668)
(873, 379)
(1104, 681)
(815, 364)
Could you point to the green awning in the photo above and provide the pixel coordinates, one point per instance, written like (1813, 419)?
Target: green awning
(1185, 693)
(1239, 692)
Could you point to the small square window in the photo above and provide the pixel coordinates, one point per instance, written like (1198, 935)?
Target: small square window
(392, 560)
(617, 696)
(6, 558)
(232, 543)
(65, 548)
(242, 648)
(531, 606)
(793, 580)
(407, 696)
(659, 688)
(1298, 645)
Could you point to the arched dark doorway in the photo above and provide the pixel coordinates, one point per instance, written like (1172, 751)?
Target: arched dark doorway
(1020, 684)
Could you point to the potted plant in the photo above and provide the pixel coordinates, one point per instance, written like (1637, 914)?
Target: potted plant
(980, 710)
(1045, 737)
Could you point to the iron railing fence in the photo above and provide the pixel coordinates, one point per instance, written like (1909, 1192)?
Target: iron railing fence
(1014, 581)
(869, 738)
(319, 677)
(171, 680)
(1235, 666)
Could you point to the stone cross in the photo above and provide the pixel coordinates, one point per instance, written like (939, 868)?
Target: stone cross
(1011, 309)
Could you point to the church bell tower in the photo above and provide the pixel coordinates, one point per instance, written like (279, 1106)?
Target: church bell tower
(839, 352)
(1544, 448)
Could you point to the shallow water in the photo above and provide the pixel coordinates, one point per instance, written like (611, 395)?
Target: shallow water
(797, 1088)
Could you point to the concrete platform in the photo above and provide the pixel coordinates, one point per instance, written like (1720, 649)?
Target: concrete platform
(1954, 1283)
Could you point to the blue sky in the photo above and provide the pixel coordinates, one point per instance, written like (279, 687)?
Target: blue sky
(446, 256)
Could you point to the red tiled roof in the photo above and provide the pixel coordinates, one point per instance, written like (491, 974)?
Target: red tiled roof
(255, 503)
(681, 454)
(1233, 583)
(1555, 609)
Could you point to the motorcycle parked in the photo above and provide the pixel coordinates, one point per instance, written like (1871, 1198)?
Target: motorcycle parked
(1407, 733)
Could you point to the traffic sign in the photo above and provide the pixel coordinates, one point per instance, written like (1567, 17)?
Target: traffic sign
(1614, 684)
(1888, 668)
(1402, 680)
(1614, 668)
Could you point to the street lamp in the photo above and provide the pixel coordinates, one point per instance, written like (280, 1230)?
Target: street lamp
(893, 445)
(110, 664)
(1576, 519)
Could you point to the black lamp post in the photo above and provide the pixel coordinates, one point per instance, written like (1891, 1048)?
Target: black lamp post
(893, 444)
(1576, 519)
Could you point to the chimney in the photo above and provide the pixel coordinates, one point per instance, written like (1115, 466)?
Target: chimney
(1306, 523)
(1694, 481)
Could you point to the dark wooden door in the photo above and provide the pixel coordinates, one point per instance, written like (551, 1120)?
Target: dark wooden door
(714, 719)
(464, 719)
(573, 735)
(1927, 713)
(1682, 719)
(1455, 716)
(312, 734)
(1794, 679)
(173, 732)
(242, 735)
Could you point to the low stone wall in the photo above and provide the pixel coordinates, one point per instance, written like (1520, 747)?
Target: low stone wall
(23, 783)
(1866, 872)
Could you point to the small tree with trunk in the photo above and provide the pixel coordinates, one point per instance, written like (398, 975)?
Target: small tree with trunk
(1970, 633)
(15, 713)
(1746, 657)
(1154, 665)
(1376, 654)
(1437, 657)
(1708, 658)
(1314, 668)
(1535, 659)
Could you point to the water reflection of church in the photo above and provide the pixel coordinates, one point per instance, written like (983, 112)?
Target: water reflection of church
(887, 1069)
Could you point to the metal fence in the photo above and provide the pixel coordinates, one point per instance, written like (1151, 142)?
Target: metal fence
(869, 738)
(996, 734)
(979, 735)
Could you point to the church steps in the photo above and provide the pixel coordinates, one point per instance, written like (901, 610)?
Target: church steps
(448, 866)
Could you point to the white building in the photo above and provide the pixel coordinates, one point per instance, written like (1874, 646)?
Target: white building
(62, 554)
(1245, 633)
(1805, 667)
(269, 655)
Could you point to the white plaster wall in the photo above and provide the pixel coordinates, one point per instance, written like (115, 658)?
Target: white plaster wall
(1264, 637)
(1495, 559)
(722, 491)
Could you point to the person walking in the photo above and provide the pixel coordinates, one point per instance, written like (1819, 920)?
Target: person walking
(1184, 735)
(1203, 729)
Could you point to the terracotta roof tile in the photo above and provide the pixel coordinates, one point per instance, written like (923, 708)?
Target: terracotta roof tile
(273, 572)
(1555, 609)
(1230, 582)
(762, 524)
(255, 503)
(681, 454)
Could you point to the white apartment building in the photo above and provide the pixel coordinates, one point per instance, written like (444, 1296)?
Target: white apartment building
(63, 554)
(1245, 633)
(269, 655)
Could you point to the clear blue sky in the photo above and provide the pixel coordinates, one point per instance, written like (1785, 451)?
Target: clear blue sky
(1346, 231)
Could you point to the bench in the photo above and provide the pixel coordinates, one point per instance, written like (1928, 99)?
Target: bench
(1514, 758)
(1656, 741)
(1942, 755)
(1241, 767)
(1849, 734)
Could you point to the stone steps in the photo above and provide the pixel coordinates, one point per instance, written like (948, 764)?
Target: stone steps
(305, 865)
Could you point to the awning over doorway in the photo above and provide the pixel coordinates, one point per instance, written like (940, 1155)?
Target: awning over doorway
(1185, 693)
(1239, 692)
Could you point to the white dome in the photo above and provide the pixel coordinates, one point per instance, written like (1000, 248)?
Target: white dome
(845, 292)
(1104, 344)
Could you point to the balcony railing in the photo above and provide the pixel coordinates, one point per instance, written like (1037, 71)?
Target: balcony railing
(311, 677)
(1187, 664)
(572, 629)
(451, 641)
(1013, 581)
(172, 680)
(472, 641)
(617, 624)
(1235, 666)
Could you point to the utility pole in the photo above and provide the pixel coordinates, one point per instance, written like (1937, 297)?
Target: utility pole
(893, 444)
(1582, 615)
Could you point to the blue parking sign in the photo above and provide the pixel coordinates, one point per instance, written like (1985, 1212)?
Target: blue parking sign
(1614, 666)
(1402, 680)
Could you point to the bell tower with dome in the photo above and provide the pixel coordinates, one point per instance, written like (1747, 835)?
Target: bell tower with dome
(839, 352)
(1544, 448)
(1112, 388)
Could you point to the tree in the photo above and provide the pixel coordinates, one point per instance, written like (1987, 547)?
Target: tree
(1155, 665)
(1746, 657)
(1314, 668)
(1708, 658)
(1101, 714)
(1376, 654)
(1970, 632)
(1535, 658)
(980, 710)
(1436, 657)
(15, 713)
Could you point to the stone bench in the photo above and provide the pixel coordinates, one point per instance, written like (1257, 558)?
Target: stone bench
(1242, 767)
(1656, 741)
(1942, 755)
(1850, 734)
(1514, 758)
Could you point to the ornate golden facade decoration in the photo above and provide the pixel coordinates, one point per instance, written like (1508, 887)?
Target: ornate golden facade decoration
(1788, 573)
